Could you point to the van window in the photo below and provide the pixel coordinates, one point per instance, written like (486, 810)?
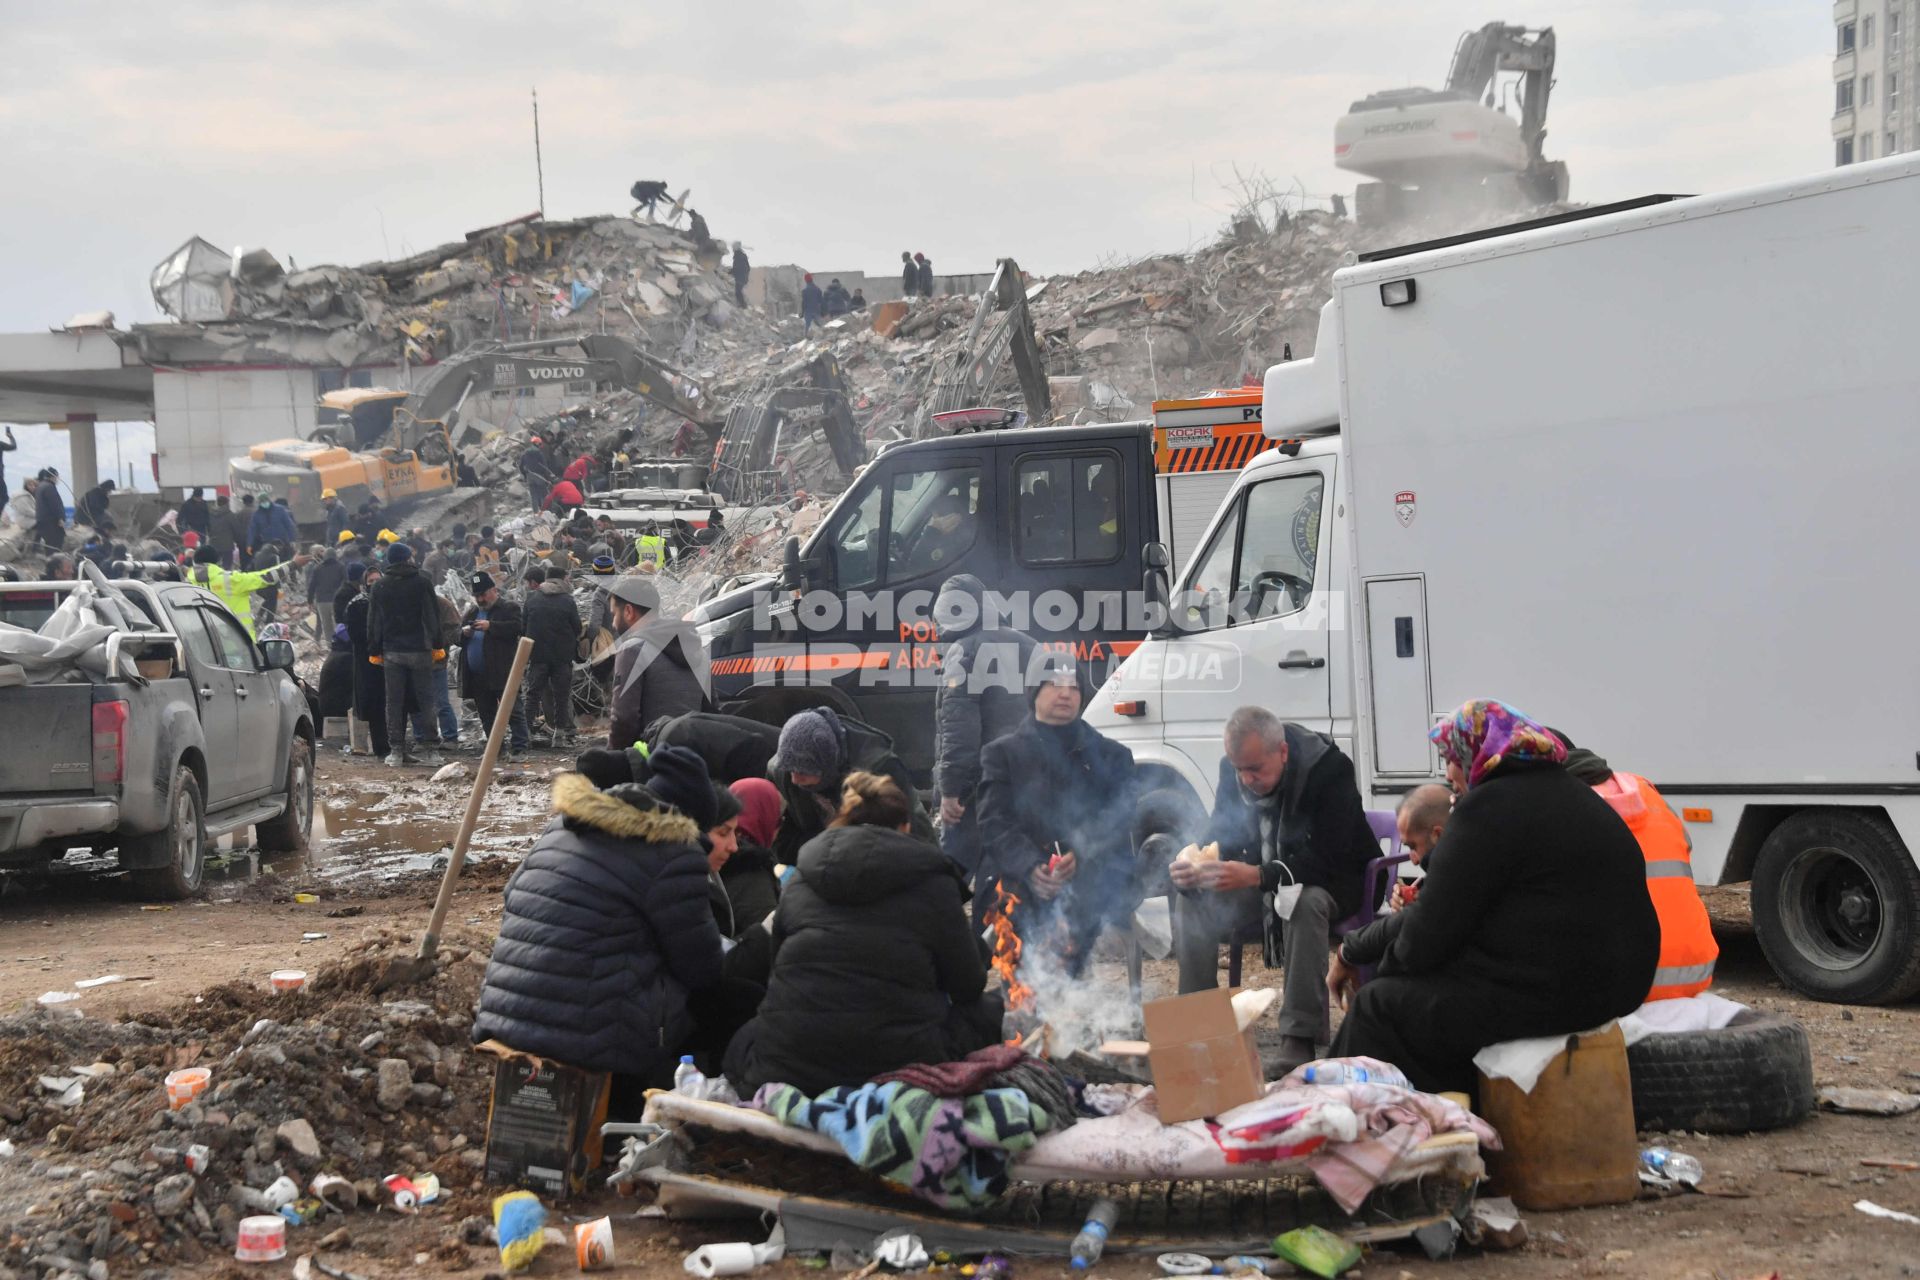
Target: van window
(1069, 509)
(236, 650)
(1260, 561)
(200, 642)
(857, 543)
(932, 520)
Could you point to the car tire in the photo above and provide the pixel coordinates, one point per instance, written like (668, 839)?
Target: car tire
(1836, 907)
(289, 832)
(1755, 1073)
(180, 848)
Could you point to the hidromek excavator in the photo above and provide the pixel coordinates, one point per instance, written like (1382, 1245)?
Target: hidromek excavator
(1434, 150)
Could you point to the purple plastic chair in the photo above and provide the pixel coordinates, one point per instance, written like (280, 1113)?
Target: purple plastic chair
(1379, 876)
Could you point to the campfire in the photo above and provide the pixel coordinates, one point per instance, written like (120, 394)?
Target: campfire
(1006, 949)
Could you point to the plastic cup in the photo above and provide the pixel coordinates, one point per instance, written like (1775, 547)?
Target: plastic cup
(262, 1239)
(593, 1244)
(185, 1085)
(287, 981)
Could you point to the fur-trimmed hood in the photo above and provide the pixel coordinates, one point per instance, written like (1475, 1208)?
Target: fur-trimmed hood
(629, 811)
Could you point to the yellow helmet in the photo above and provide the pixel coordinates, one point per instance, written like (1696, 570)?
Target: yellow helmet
(327, 493)
(346, 535)
(387, 535)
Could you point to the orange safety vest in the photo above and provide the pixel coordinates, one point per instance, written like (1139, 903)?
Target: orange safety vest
(1687, 948)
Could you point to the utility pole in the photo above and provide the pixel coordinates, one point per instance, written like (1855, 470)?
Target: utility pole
(539, 169)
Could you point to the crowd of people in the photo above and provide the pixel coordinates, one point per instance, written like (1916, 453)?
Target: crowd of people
(785, 910)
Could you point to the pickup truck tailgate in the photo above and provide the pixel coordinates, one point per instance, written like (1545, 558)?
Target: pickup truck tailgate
(48, 745)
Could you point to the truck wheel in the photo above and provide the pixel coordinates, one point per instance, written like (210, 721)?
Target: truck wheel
(1836, 906)
(288, 833)
(180, 847)
(1755, 1073)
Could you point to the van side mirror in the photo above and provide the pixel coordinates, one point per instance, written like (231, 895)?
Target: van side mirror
(277, 655)
(1156, 589)
(793, 575)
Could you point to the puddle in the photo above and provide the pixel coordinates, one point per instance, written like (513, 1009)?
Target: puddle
(380, 836)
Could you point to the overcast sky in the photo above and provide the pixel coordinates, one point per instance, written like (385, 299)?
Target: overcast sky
(832, 135)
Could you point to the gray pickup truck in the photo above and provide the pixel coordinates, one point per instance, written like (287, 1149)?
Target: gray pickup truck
(214, 736)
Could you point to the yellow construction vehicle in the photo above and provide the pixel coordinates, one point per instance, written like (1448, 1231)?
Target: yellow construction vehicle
(301, 470)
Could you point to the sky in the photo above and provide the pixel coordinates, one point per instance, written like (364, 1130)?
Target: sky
(1067, 135)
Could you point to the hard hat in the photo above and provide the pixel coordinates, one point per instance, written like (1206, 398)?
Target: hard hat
(536, 440)
(387, 535)
(346, 535)
(327, 493)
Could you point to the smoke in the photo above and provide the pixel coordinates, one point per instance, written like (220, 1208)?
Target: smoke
(1081, 1014)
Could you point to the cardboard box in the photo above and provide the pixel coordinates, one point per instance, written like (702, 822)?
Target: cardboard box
(543, 1126)
(1202, 1062)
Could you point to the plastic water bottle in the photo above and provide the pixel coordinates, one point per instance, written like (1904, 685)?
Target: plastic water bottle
(687, 1078)
(1675, 1166)
(1338, 1073)
(1087, 1246)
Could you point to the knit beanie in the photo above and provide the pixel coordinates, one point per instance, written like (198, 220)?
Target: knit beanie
(811, 742)
(399, 553)
(680, 779)
(356, 571)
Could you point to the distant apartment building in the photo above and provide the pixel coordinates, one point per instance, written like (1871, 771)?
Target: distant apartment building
(1873, 72)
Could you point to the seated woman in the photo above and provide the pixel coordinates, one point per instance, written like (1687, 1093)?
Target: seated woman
(1533, 920)
(606, 936)
(874, 964)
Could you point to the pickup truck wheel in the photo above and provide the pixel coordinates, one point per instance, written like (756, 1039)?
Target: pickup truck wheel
(1836, 907)
(182, 843)
(288, 833)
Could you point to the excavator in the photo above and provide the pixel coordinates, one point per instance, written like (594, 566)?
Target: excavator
(1434, 151)
(404, 446)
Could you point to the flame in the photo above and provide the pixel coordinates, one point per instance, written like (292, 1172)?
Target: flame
(1006, 949)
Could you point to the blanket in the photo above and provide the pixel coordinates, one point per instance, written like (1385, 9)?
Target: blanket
(1000, 1066)
(950, 1152)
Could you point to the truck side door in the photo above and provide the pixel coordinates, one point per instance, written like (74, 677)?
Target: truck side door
(213, 686)
(1076, 526)
(1253, 613)
(256, 711)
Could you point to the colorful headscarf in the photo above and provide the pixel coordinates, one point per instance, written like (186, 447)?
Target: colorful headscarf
(1484, 734)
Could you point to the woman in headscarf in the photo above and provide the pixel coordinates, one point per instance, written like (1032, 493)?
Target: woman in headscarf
(1534, 918)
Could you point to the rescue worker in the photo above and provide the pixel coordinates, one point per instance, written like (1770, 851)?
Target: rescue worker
(1056, 803)
(49, 512)
(1294, 846)
(92, 507)
(818, 748)
(565, 495)
(835, 301)
(537, 472)
(336, 514)
(650, 549)
(982, 697)
(194, 516)
(235, 587)
(1687, 947)
(742, 271)
(925, 267)
(1533, 920)
(654, 672)
(811, 302)
(271, 522)
(909, 276)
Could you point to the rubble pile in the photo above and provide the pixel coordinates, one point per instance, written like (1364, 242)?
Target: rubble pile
(333, 1079)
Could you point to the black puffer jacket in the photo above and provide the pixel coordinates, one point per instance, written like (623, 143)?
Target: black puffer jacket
(553, 621)
(405, 618)
(872, 951)
(733, 746)
(606, 929)
(868, 750)
(982, 693)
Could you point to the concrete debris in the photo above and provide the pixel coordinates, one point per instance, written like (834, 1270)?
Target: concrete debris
(299, 1135)
(395, 1088)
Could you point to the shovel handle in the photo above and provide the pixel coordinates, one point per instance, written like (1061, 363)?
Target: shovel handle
(482, 779)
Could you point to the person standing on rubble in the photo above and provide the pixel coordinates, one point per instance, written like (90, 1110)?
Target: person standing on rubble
(537, 472)
(193, 517)
(324, 581)
(835, 300)
(404, 634)
(654, 677)
(489, 632)
(811, 302)
(91, 510)
(926, 274)
(1056, 803)
(982, 697)
(742, 271)
(647, 193)
(49, 512)
(553, 622)
(8, 444)
(243, 525)
(219, 533)
(909, 276)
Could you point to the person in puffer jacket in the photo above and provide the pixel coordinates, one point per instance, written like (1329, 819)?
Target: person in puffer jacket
(606, 929)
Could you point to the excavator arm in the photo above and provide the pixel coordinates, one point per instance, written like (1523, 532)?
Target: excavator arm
(1497, 47)
(967, 378)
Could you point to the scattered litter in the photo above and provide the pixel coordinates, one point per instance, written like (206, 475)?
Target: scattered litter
(59, 997)
(453, 772)
(1184, 1264)
(287, 981)
(1670, 1170)
(402, 1194)
(1495, 1223)
(1869, 1102)
(306, 899)
(1240, 1263)
(1317, 1250)
(335, 1192)
(6, 1148)
(94, 1071)
(1092, 1240)
(1882, 1162)
(521, 1221)
(901, 1250)
(280, 1193)
(68, 1091)
(593, 1244)
(313, 937)
(261, 1239)
(1873, 1210)
(185, 1085)
(195, 1159)
(153, 907)
(107, 980)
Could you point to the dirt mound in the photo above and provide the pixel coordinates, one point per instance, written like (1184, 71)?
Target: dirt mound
(332, 1079)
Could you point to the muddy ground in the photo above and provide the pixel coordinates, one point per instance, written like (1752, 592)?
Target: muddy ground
(77, 1186)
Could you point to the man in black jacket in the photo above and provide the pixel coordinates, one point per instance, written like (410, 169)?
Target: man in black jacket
(818, 749)
(489, 633)
(553, 621)
(1056, 818)
(1294, 844)
(537, 472)
(909, 275)
(654, 672)
(92, 507)
(405, 633)
(742, 272)
(982, 696)
(324, 581)
(194, 516)
(49, 512)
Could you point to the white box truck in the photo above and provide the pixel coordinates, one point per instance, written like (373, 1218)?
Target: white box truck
(1648, 474)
